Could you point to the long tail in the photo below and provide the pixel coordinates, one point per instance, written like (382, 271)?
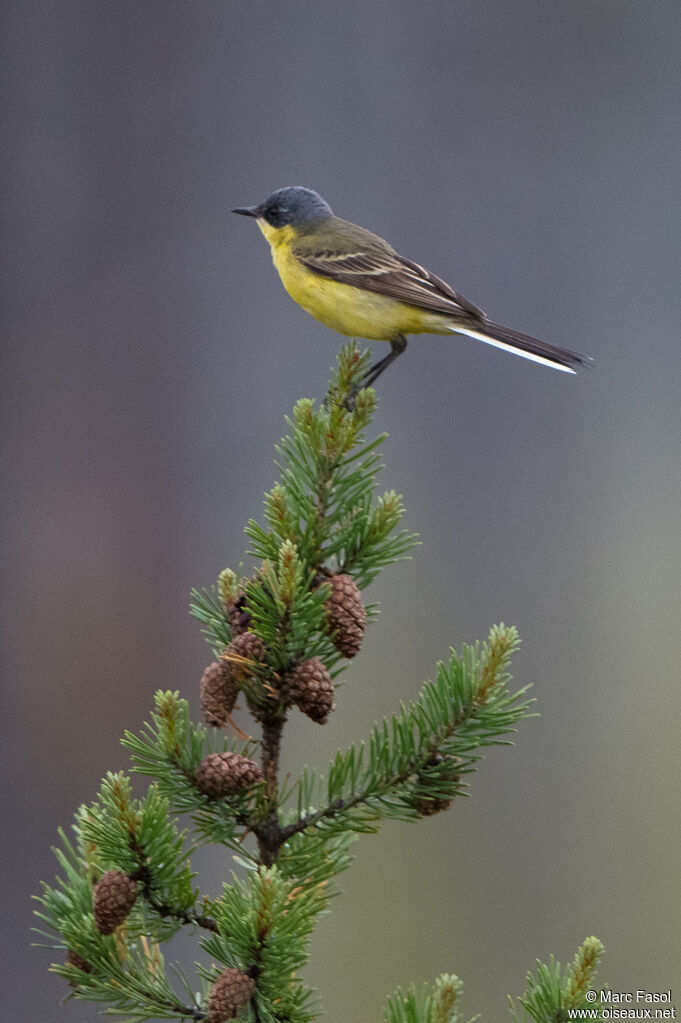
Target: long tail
(524, 345)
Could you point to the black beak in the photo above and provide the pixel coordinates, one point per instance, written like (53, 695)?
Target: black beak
(247, 211)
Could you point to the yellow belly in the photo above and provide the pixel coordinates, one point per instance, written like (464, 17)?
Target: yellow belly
(350, 310)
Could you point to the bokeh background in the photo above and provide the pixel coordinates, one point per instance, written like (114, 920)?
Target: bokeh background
(526, 150)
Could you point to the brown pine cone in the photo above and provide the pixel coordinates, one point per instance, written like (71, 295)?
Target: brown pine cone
(115, 895)
(75, 959)
(428, 807)
(311, 689)
(345, 614)
(239, 618)
(232, 990)
(223, 774)
(218, 693)
(243, 648)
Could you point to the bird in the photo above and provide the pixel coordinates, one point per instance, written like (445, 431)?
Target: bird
(354, 282)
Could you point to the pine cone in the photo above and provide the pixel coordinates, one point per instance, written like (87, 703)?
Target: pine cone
(218, 693)
(246, 647)
(223, 774)
(75, 959)
(345, 615)
(428, 807)
(239, 618)
(311, 690)
(229, 994)
(242, 656)
(115, 895)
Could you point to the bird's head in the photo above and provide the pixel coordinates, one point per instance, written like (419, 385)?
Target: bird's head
(292, 206)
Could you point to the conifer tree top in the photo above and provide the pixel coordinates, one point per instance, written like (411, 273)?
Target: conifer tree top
(280, 634)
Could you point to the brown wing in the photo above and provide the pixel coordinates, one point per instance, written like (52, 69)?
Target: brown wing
(387, 273)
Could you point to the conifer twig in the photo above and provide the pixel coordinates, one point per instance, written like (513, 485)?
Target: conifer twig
(164, 909)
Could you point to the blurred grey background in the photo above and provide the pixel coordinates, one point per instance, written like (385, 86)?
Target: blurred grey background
(529, 153)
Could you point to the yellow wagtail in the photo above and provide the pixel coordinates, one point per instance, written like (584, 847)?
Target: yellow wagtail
(354, 282)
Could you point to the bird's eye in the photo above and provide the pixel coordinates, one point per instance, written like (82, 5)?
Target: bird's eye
(276, 215)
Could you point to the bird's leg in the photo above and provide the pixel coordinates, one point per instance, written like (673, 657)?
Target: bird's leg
(397, 346)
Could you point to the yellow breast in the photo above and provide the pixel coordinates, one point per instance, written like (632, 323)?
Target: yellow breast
(342, 307)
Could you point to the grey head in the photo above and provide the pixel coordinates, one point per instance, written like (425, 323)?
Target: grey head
(292, 205)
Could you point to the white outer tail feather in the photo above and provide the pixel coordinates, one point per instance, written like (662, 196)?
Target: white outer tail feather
(477, 336)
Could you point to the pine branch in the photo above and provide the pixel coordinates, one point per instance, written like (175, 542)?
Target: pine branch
(170, 749)
(466, 708)
(322, 514)
(145, 876)
(269, 920)
(129, 978)
(553, 993)
(439, 1005)
(134, 988)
